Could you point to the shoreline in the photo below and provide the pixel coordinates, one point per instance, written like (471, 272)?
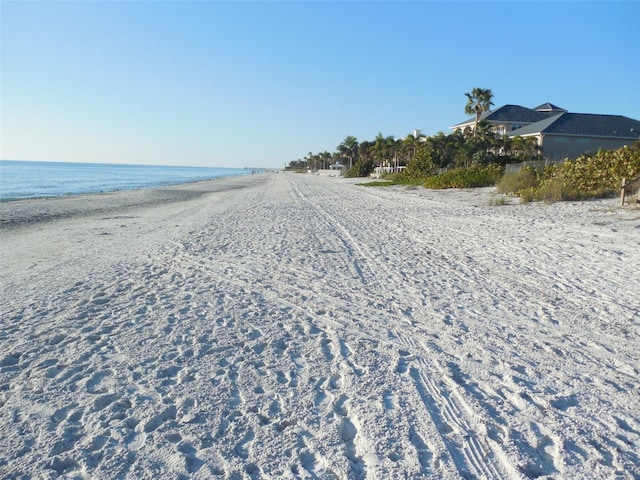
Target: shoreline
(118, 190)
(31, 211)
(61, 179)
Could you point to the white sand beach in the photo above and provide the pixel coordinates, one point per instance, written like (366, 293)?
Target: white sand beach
(292, 326)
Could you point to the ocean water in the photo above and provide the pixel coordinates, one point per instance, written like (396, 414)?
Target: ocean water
(19, 180)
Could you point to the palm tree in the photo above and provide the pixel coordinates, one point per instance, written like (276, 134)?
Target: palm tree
(326, 158)
(411, 143)
(379, 149)
(478, 102)
(349, 148)
(525, 148)
(443, 148)
(502, 145)
(365, 151)
(384, 149)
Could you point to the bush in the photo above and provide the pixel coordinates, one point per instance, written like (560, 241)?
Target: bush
(476, 176)
(419, 168)
(362, 168)
(599, 175)
(589, 176)
(512, 183)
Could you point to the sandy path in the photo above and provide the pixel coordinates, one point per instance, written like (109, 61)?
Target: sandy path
(304, 327)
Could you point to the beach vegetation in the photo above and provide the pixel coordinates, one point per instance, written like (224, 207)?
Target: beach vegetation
(471, 177)
(512, 183)
(588, 176)
(422, 165)
(297, 166)
(362, 168)
(418, 156)
(349, 150)
(381, 183)
(477, 158)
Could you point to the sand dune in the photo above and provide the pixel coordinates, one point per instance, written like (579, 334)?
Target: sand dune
(297, 326)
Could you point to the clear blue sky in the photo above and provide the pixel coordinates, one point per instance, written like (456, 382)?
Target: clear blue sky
(234, 84)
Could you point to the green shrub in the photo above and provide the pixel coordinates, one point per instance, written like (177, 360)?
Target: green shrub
(476, 176)
(588, 176)
(553, 190)
(599, 175)
(512, 183)
(421, 165)
(362, 168)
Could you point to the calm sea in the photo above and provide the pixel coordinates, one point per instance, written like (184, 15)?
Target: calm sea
(53, 179)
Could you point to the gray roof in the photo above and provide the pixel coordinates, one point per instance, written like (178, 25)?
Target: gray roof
(584, 124)
(549, 107)
(535, 128)
(509, 113)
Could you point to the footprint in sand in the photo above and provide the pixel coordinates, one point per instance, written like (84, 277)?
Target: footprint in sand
(389, 399)
(326, 349)
(154, 422)
(425, 454)
(243, 447)
(547, 453)
(95, 380)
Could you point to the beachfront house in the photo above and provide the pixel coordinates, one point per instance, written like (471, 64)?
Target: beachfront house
(337, 169)
(559, 133)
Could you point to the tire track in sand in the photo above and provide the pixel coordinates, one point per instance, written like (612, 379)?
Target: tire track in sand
(460, 426)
